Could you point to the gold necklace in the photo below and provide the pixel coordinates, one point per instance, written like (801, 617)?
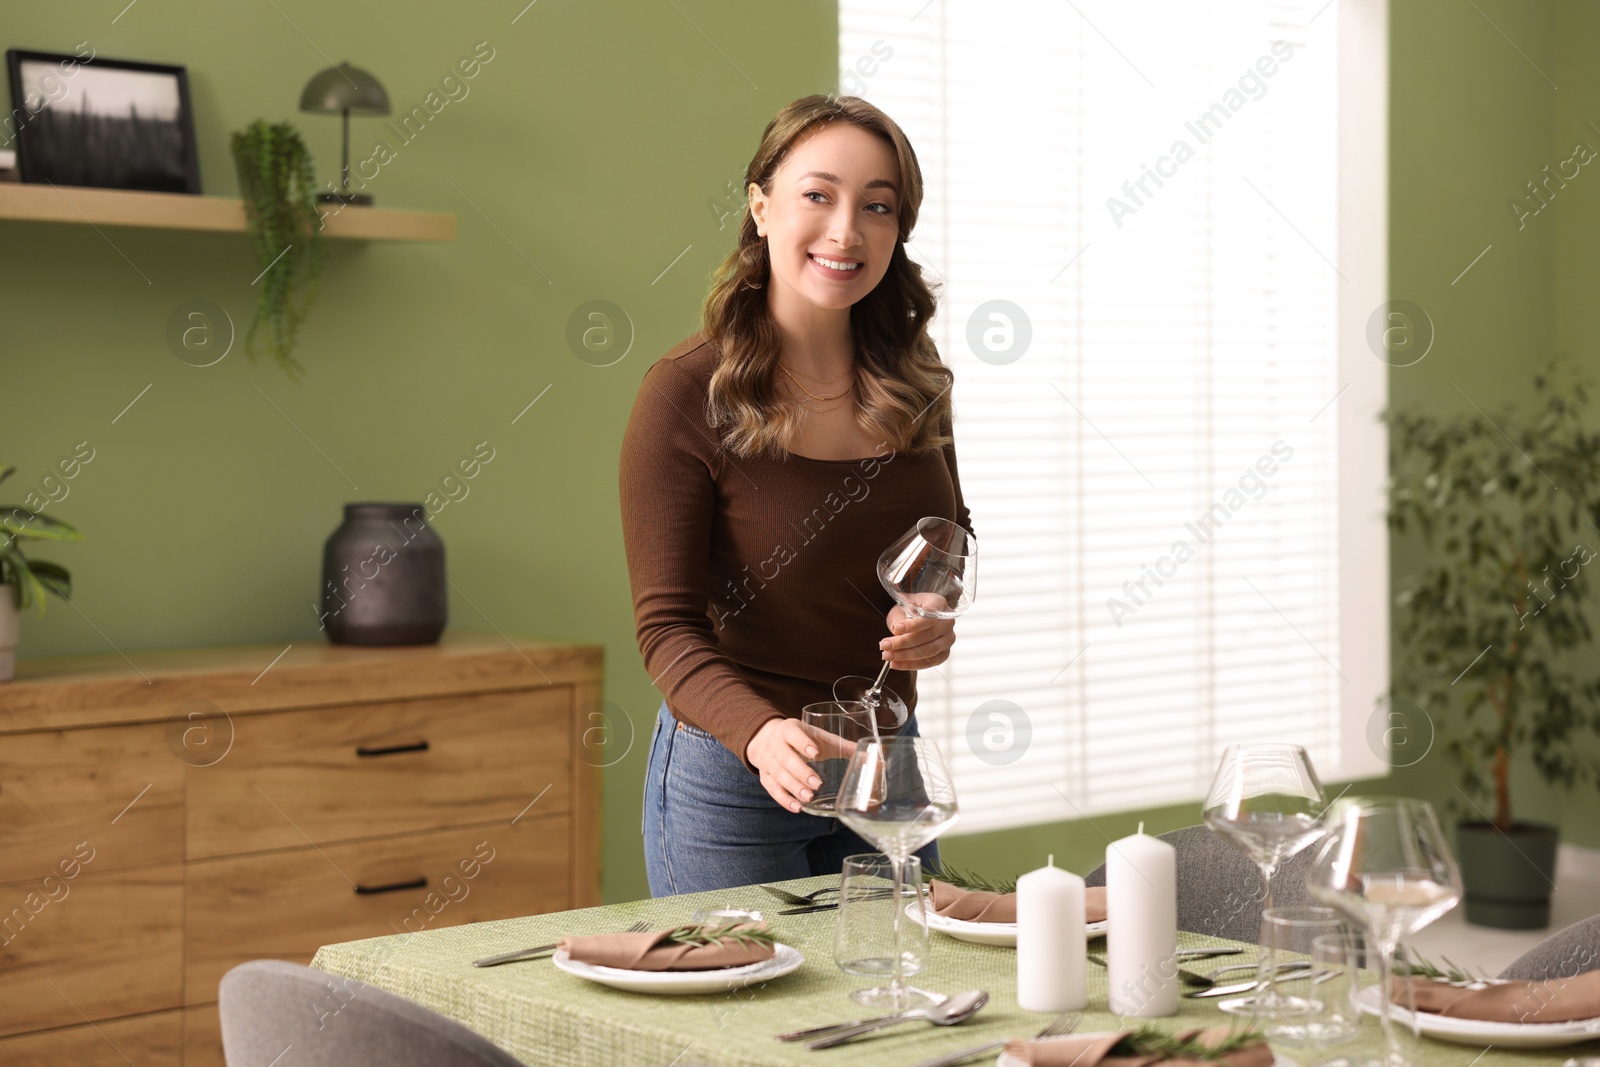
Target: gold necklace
(803, 389)
(823, 381)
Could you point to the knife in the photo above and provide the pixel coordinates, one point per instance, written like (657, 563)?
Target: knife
(1246, 987)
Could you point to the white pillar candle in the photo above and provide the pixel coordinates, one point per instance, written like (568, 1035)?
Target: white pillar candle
(1051, 949)
(1142, 936)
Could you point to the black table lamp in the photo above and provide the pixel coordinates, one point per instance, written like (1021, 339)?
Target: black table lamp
(341, 90)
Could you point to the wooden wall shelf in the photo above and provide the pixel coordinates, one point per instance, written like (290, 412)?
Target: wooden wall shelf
(179, 211)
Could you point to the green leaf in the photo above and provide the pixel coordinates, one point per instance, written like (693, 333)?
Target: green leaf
(54, 577)
(28, 525)
(30, 591)
(972, 883)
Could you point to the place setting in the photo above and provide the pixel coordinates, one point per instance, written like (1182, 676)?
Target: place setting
(715, 951)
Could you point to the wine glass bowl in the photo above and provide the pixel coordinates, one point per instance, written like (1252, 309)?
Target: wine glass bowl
(931, 570)
(1265, 801)
(1385, 863)
(898, 795)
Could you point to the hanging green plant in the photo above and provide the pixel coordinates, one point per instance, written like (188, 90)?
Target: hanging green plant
(275, 180)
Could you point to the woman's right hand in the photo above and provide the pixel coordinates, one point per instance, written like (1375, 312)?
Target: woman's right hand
(779, 751)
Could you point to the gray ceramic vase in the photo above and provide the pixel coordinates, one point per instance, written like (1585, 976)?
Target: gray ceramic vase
(383, 577)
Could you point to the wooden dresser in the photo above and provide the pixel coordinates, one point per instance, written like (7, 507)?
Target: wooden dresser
(164, 819)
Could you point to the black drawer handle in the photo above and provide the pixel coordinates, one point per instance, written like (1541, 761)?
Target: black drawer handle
(415, 883)
(390, 750)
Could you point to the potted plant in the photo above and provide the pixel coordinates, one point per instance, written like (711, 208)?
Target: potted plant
(23, 581)
(1493, 625)
(276, 182)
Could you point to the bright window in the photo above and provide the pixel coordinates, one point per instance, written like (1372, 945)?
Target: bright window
(1177, 486)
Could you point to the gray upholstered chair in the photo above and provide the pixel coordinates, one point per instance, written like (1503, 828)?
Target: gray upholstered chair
(270, 1006)
(1562, 955)
(1219, 891)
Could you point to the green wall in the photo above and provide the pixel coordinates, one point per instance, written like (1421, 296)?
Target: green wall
(590, 145)
(591, 151)
(1478, 111)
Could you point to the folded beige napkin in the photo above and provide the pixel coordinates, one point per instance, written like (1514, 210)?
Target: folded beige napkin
(650, 951)
(978, 906)
(1559, 1000)
(1092, 1050)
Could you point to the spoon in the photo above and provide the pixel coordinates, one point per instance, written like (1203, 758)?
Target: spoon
(836, 1027)
(948, 1012)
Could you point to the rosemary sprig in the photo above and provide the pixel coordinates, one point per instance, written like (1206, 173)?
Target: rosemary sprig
(972, 883)
(1151, 1041)
(1452, 971)
(705, 934)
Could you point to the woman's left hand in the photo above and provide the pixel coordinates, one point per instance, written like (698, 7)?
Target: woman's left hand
(919, 641)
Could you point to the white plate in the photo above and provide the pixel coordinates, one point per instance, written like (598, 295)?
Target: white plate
(1008, 1060)
(982, 933)
(1478, 1032)
(784, 959)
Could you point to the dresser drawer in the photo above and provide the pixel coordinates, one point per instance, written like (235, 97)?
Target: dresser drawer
(119, 789)
(345, 773)
(202, 1039)
(286, 905)
(146, 1040)
(111, 944)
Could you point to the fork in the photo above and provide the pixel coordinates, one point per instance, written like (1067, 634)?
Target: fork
(797, 898)
(509, 957)
(1064, 1023)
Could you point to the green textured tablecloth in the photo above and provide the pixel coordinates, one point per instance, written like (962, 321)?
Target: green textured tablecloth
(544, 1016)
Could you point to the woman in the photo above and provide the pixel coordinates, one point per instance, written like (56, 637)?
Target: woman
(769, 459)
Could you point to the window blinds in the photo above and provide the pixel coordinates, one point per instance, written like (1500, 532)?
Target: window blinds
(1149, 195)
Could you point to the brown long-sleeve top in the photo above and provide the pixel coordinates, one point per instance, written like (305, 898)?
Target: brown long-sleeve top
(754, 580)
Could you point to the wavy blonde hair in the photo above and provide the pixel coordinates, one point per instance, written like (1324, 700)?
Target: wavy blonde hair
(903, 385)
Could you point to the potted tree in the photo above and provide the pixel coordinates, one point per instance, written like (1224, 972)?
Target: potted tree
(23, 581)
(1493, 623)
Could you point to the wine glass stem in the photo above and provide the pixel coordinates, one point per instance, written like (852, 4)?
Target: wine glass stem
(897, 985)
(1391, 1046)
(1267, 871)
(877, 686)
(1265, 971)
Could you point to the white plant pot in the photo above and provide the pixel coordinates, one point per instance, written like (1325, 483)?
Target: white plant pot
(9, 628)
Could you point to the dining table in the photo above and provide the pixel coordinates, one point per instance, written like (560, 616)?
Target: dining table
(544, 1016)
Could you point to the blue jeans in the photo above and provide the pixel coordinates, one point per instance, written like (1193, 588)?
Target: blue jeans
(709, 824)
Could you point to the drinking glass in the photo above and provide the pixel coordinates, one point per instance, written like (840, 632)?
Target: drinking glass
(1283, 1015)
(862, 933)
(898, 795)
(932, 571)
(834, 728)
(1337, 968)
(1264, 801)
(1386, 865)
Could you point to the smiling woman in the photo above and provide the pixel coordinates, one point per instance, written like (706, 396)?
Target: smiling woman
(813, 361)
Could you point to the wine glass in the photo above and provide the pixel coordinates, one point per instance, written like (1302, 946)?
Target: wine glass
(1264, 801)
(932, 571)
(1385, 864)
(897, 794)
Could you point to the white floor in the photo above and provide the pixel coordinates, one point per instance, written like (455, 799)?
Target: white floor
(1576, 897)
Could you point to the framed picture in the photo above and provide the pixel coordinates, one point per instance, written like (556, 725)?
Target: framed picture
(108, 123)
